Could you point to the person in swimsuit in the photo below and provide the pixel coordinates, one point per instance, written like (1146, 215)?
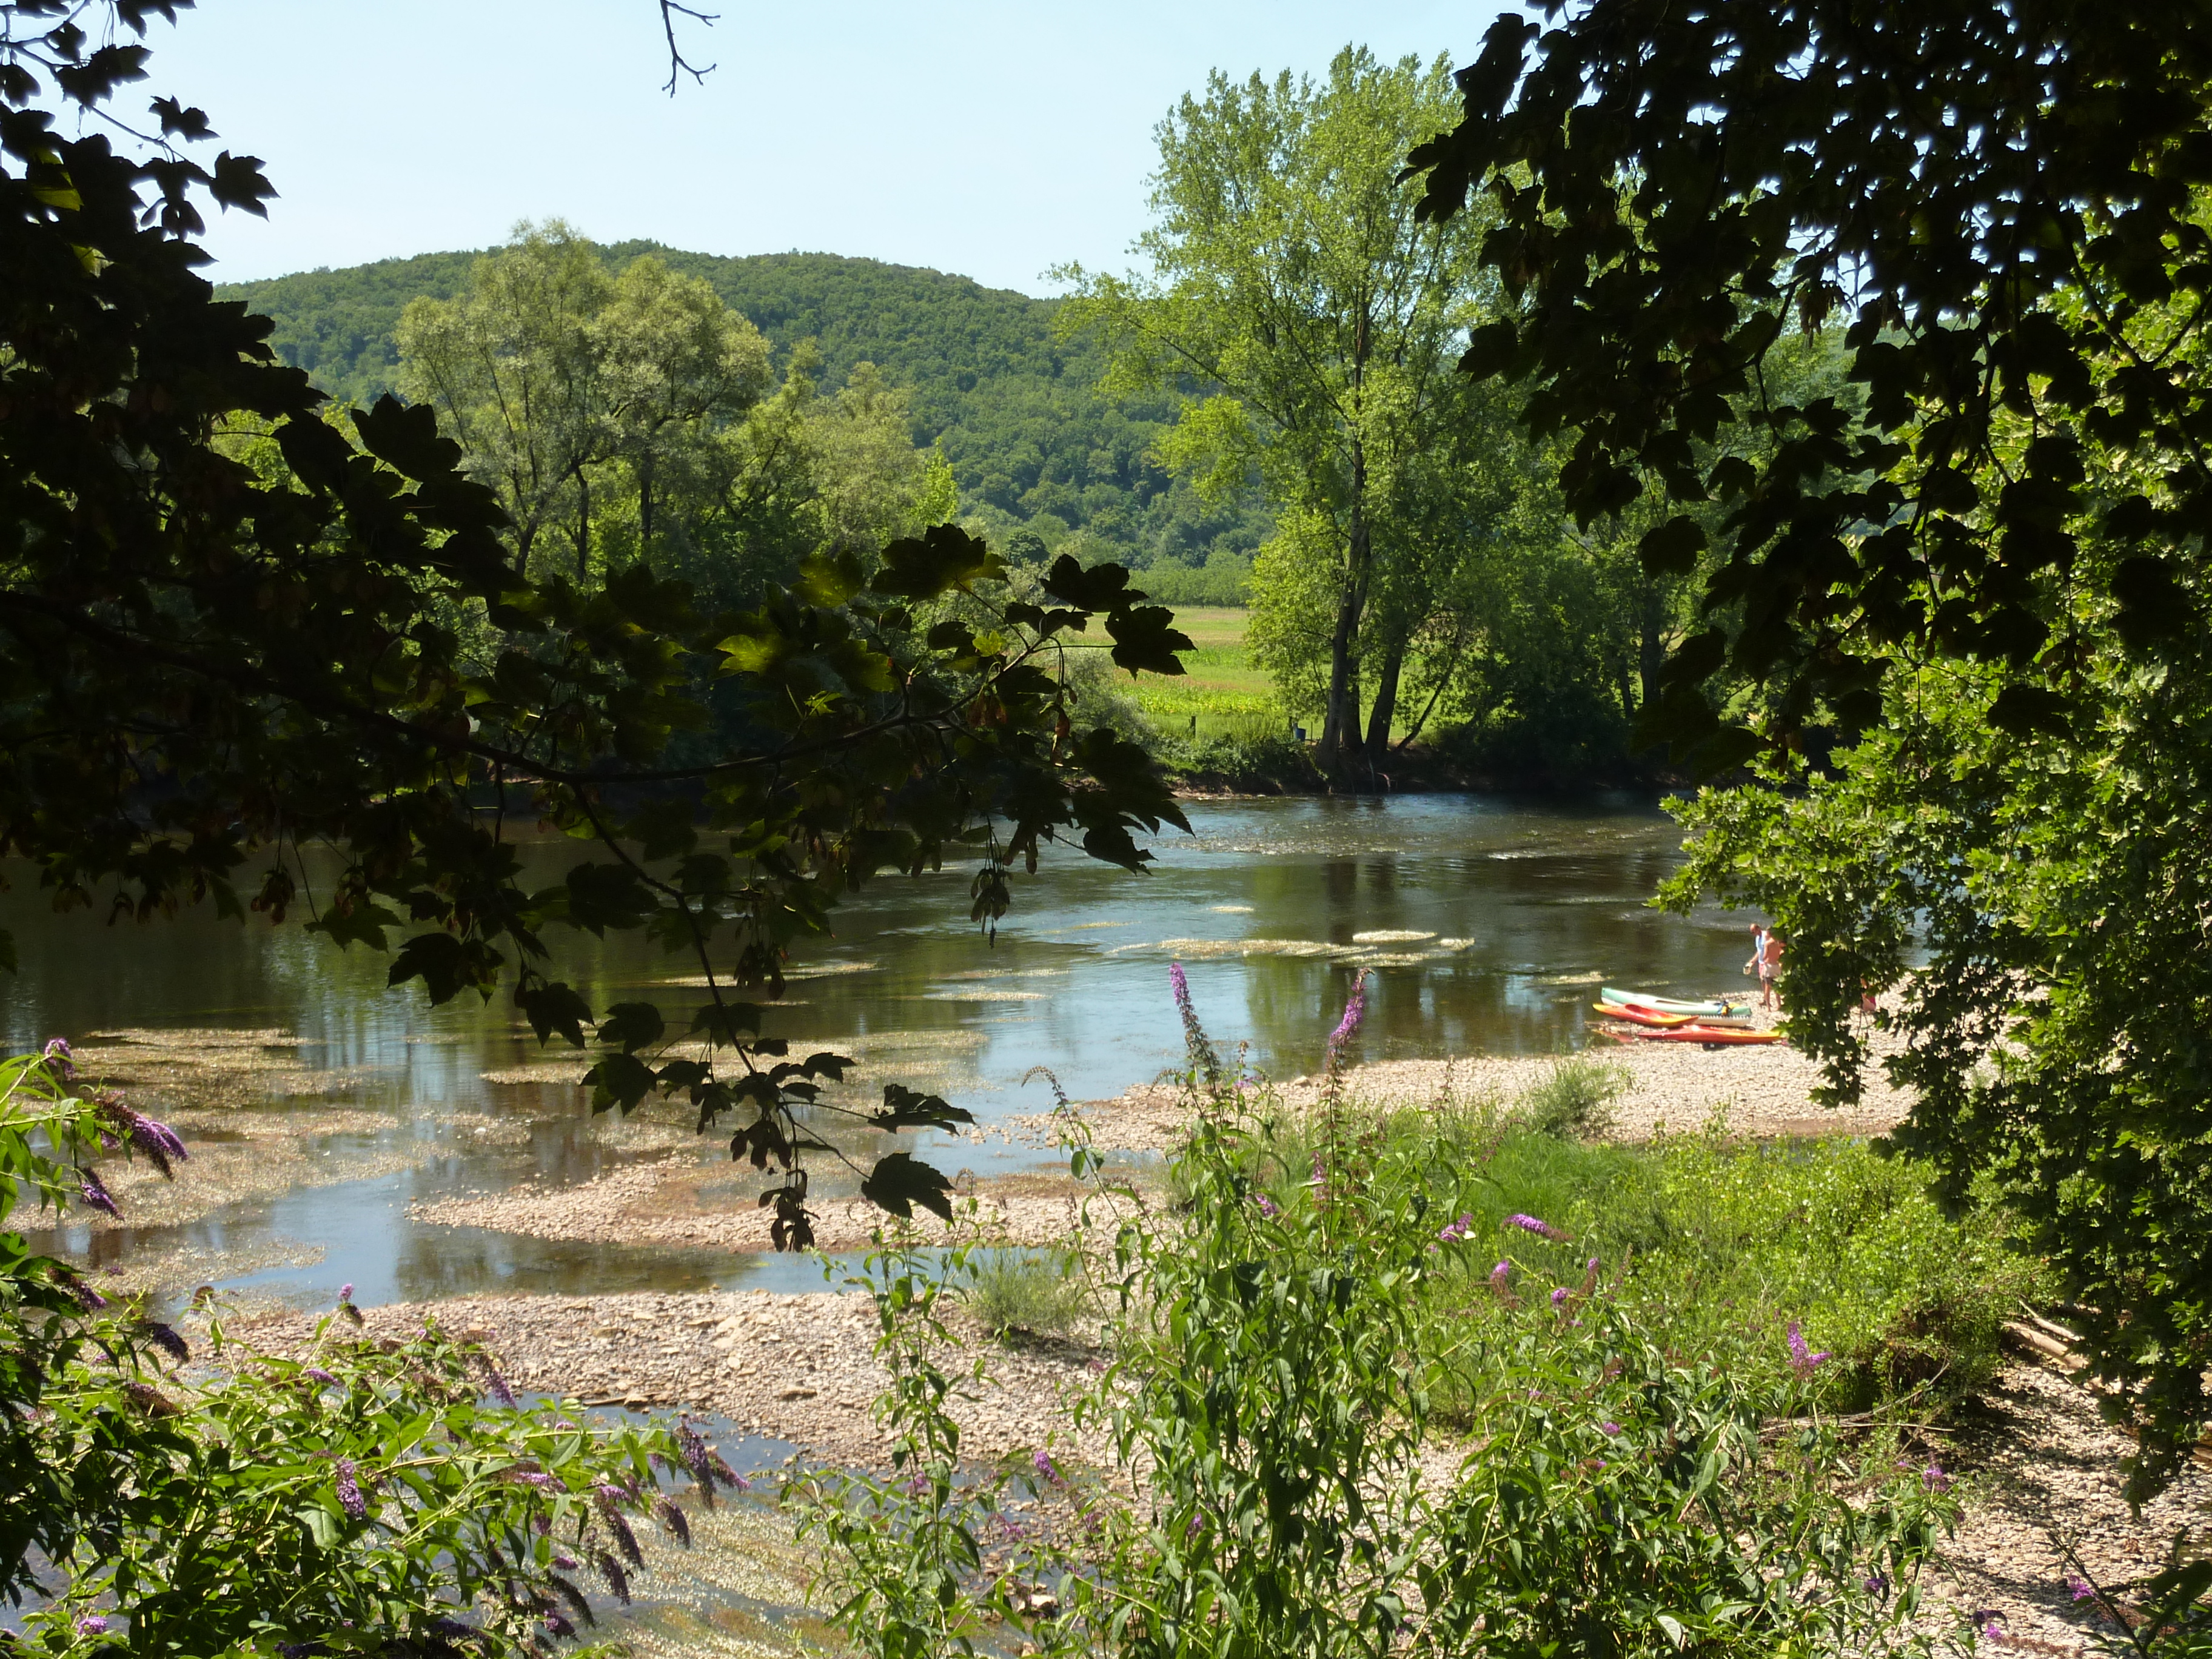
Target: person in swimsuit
(1770, 964)
(1758, 947)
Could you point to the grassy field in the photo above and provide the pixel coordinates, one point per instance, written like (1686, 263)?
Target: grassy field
(1222, 691)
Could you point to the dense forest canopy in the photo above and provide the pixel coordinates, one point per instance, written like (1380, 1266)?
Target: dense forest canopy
(1015, 409)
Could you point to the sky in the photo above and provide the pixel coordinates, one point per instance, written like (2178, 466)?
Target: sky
(990, 139)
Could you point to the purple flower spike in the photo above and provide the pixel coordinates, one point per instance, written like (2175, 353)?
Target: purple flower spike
(90, 1624)
(1044, 1467)
(1181, 982)
(557, 1624)
(1529, 1223)
(95, 1192)
(1608, 1428)
(345, 1293)
(167, 1340)
(1802, 1359)
(1559, 1296)
(1876, 1584)
(500, 1391)
(2079, 1588)
(1268, 1207)
(57, 1054)
(1934, 1479)
(349, 1497)
(1355, 1010)
(322, 1377)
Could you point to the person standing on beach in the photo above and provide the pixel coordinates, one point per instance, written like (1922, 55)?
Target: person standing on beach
(1770, 964)
(1758, 947)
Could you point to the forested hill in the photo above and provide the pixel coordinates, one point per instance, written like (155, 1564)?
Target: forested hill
(1016, 410)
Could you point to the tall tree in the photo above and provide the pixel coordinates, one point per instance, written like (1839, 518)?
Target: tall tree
(1292, 272)
(1992, 564)
(512, 367)
(676, 363)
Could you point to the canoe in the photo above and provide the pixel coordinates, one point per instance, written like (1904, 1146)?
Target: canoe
(1641, 1015)
(1668, 1005)
(1711, 1036)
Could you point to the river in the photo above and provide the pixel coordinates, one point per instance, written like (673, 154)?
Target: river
(1485, 924)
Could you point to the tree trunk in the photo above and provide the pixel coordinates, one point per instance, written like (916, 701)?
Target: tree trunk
(1385, 714)
(1339, 730)
(1651, 644)
(645, 501)
(583, 529)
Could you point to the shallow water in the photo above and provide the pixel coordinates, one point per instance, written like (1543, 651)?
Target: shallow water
(1487, 925)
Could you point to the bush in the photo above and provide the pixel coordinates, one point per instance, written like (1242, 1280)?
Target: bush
(1276, 1350)
(1574, 1101)
(364, 1498)
(1036, 1291)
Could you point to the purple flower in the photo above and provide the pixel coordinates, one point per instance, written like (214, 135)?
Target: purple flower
(556, 1624)
(497, 1383)
(1528, 1224)
(1181, 982)
(349, 1497)
(345, 1292)
(2079, 1588)
(1803, 1360)
(1355, 1010)
(1876, 1584)
(1608, 1428)
(610, 1569)
(1268, 1207)
(625, 1538)
(672, 1518)
(87, 1298)
(167, 1340)
(156, 1140)
(1559, 1296)
(567, 1563)
(1934, 1479)
(1044, 1468)
(95, 1192)
(89, 1624)
(56, 1053)
(1458, 1230)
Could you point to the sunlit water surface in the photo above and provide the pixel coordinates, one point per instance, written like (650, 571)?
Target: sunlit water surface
(1522, 910)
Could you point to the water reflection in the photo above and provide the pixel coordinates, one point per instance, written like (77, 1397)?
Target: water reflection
(1545, 899)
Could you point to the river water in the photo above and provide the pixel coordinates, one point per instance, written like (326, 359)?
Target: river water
(1496, 919)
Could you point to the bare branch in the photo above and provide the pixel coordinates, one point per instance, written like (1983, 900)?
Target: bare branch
(679, 65)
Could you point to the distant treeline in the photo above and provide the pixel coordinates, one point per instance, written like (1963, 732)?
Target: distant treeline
(1017, 412)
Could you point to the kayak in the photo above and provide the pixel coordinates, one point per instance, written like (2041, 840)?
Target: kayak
(1711, 1036)
(1641, 1015)
(1668, 1005)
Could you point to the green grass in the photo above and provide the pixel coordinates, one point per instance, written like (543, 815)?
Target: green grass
(1724, 1244)
(1219, 689)
(1041, 1291)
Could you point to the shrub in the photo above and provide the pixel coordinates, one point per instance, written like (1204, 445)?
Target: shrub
(1574, 1101)
(365, 1497)
(1036, 1291)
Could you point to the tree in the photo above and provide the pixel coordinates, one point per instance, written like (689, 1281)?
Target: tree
(1991, 563)
(212, 652)
(1294, 274)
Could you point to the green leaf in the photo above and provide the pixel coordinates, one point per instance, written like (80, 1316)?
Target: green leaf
(907, 1108)
(898, 1183)
(1672, 549)
(631, 1025)
(619, 1081)
(943, 556)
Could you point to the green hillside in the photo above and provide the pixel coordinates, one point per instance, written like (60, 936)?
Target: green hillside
(1015, 410)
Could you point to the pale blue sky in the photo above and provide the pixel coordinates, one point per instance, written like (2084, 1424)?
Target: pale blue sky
(990, 139)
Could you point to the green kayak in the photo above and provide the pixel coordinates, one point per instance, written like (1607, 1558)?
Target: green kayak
(1672, 1005)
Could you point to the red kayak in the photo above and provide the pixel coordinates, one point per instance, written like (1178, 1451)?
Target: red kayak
(1641, 1015)
(1711, 1036)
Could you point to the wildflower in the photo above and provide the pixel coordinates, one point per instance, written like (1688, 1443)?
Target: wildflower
(56, 1053)
(610, 1569)
(1876, 1584)
(1934, 1479)
(522, 1477)
(345, 1293)
(1559, 1296)
(1529, 1223)
(2079, 1588)
(1802, 1359)
(1181, 982)
(156, 1140)
(1989, 1621)
(672, 1518)
(692, 1449)
(96, 1193)
(165, 1338)
(88, 1623)
(1500, 1288)
(87, 1298)
(1268, 1207)
(349, 1497)
(1044, 1468)
(625, 1538)
(1355, 1010)
(1458, 1230)
(566, 1562)
(500, 1391)
(148, 1399)
(1608, 1428)
(556, 1624)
